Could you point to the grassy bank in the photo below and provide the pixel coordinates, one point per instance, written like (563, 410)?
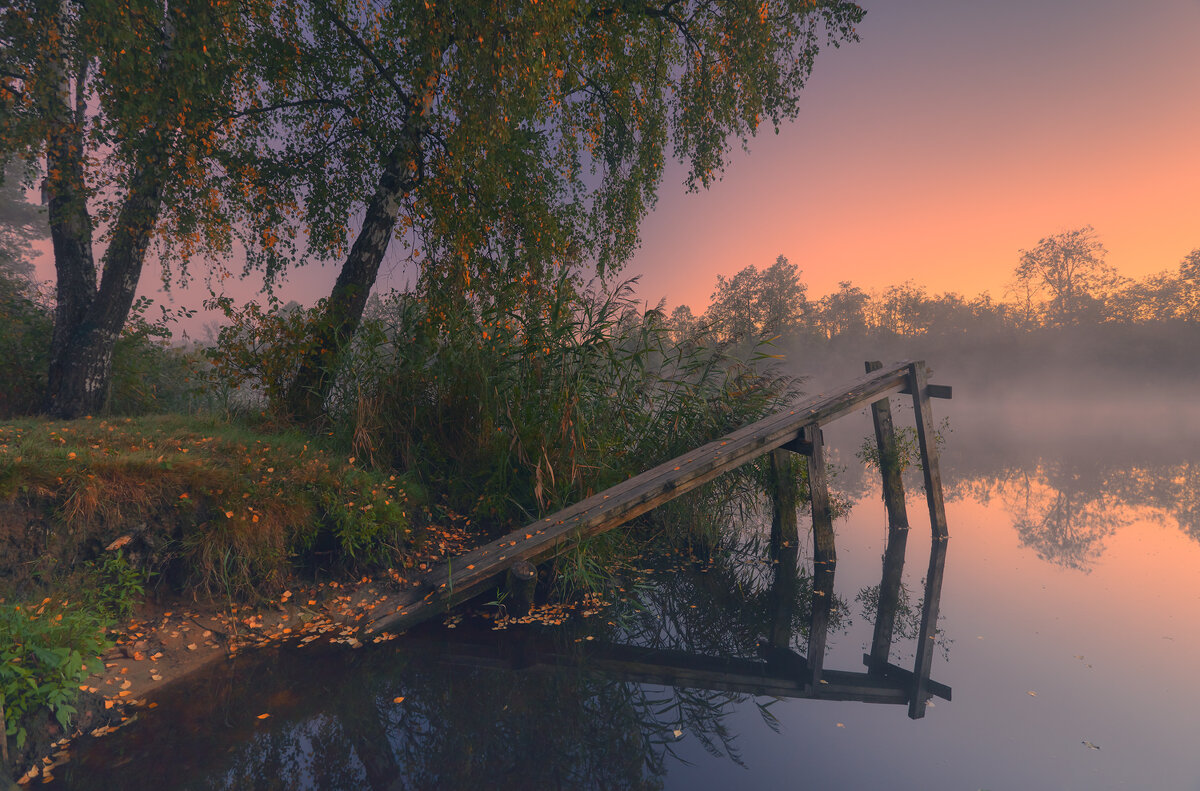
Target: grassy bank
(95, 512)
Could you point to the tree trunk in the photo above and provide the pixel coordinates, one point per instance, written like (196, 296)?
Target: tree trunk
(87, 320)
(343, 310)
(86, 333)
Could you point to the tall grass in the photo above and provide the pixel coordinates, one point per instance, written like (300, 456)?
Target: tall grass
(511, 407)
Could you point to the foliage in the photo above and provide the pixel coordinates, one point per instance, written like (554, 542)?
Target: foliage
(21, 223)
(1070, 269)
(113, 585)
(44, 654)
(753, 303)
(520, 139)
(512, 409)
(25, 326)
(125, 104)
(259, 348)
(908, 447)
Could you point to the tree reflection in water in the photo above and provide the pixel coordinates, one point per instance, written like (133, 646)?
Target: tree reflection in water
(1066, 510)
(598, 705)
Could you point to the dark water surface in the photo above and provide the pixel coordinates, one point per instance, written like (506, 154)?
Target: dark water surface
(1069, 636)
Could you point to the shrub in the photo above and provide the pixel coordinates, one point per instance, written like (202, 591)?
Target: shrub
(44, 654)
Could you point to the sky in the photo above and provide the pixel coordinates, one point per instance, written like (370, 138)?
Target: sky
(950, 137)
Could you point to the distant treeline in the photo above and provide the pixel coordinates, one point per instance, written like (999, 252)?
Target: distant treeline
(1062, 282)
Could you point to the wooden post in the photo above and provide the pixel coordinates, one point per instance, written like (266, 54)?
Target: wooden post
(929, 453)
(824, 553)
(784, 532)
(897, 513)
(783, 598)
(520, 584)
(927, 637)
(937, 554)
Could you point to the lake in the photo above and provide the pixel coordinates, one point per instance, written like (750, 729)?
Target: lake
(1068, 624)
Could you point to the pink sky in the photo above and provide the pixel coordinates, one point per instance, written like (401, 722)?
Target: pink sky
(952, 136)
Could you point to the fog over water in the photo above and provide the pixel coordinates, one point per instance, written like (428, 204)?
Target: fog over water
(1069, 615)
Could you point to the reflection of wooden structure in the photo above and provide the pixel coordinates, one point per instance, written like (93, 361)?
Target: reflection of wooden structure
(780, 673)
(795, 430)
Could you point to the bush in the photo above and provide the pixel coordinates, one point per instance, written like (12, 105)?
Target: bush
(514, 407)
(44, 654)
(26, 324)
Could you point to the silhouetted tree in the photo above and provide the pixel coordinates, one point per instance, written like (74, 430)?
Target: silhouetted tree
(1069, 268)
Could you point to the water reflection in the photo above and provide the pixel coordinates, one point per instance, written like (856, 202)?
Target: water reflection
(603, 705)
(1066, 510)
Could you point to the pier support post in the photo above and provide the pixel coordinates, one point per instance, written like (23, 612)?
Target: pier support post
(784, 531)
(926, 639)
(520, 583)
(824, 553)
(897, 515)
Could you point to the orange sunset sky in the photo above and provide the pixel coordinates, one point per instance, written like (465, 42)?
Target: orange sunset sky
(951, 136)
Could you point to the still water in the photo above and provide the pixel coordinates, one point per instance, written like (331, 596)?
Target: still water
(1067, 638)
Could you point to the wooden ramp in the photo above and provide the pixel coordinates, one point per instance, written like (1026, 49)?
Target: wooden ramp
(794, 430)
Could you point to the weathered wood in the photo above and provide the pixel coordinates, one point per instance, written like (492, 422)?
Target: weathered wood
(935, 391)
(520, 584)
(476, 571)
(783, 597)
(784, 531)
(927, 637)
(824, 553)
(889, 597)
(889, 460)
(642, 665)
(897, 514)
(927, 440)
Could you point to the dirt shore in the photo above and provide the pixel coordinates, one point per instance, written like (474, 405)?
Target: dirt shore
(166, 642)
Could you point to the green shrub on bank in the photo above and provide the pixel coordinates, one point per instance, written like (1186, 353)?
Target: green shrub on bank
(45, 653)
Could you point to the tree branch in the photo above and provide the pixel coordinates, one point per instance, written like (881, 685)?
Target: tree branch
(367, 53)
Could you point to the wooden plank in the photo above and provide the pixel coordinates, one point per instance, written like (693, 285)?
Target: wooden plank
(474, 572)
(935, 391)
(935, 688)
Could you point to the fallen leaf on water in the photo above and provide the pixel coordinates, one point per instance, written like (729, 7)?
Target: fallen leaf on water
(398, 700)
(1091, 746)
(1031, 694)
(263, 716)
(678, 733)
(841, 725)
